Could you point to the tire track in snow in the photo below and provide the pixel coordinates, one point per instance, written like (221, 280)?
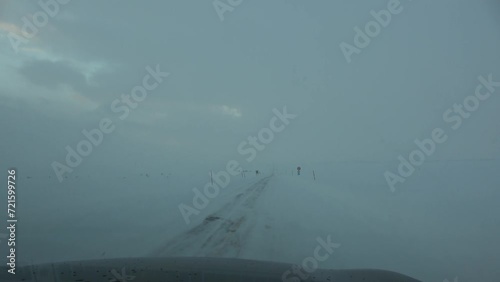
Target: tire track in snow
(222, 233)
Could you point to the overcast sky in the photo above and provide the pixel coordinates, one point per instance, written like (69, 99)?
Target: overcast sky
(227, 76)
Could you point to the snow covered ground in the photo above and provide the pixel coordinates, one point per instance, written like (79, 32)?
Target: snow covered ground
(441, 223)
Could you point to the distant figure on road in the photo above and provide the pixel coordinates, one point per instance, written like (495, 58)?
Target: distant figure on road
(256, 172)
(298, 170)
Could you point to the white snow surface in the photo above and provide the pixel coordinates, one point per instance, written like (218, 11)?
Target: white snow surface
(441, 223)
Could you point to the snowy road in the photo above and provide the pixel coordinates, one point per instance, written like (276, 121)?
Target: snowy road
(424, 231)
(222, 233)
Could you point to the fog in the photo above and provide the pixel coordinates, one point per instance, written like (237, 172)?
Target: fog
(407, 117)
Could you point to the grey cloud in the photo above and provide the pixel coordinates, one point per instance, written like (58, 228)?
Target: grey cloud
(53, 74)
